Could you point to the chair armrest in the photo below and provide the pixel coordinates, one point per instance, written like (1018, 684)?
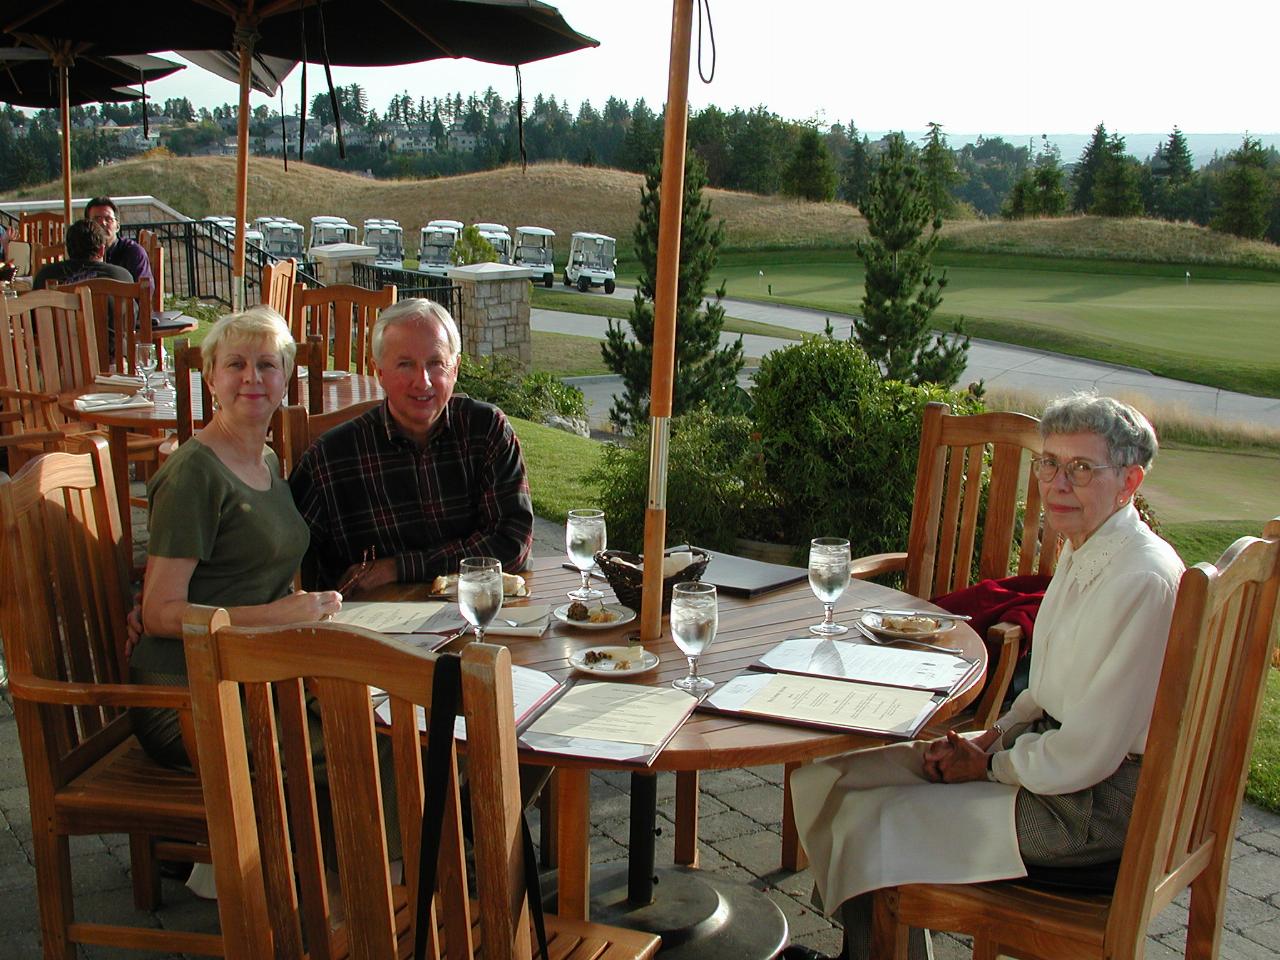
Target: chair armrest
(39, 690)
(1007, 637)
(38, 436)
(864, 568)
(39, 395)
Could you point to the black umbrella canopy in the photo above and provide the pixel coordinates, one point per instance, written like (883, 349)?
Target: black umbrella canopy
(355, 33)
(28, 78)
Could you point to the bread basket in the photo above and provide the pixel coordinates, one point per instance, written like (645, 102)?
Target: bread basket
(626, 578)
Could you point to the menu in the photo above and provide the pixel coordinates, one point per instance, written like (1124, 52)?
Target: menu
(622, 722)
(866, 663)
(530, 689)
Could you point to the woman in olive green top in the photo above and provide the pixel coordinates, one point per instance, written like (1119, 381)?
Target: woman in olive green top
(224, 530)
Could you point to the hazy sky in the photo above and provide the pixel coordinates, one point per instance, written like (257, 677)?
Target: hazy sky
(998, 66)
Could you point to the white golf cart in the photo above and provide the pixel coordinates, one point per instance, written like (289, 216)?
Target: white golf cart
(592, 259)
(535, 249)
(326, 230)
(281, 236)
(499, 238)
(435, 250)
(387, 237)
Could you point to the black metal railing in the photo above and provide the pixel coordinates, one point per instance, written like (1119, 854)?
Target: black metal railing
(410, 283)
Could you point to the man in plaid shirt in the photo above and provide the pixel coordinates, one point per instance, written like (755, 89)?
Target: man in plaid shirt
(405, 491)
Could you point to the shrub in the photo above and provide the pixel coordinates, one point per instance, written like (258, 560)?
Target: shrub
(715, 483)
(840, 442)
(500, 380)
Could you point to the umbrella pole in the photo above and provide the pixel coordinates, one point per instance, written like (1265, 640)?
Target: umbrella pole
(242, 176)
(664, 309)
(64, 107)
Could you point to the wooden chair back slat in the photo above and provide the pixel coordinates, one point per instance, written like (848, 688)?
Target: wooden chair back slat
(47, 350)
(339, 665)
(43, 254)
(344, 315)
(149, 242)
(966, 534)
(43, 228)
(302, 428)
(278, 279)
(122, 317)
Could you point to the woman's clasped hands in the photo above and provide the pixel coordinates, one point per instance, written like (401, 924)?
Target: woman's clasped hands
(957, 759)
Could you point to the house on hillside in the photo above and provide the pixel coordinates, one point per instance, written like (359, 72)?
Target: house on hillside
(461, 141)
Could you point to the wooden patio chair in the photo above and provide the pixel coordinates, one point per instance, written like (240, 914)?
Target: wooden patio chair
(268, 852)
(43, 254)
(62, 618)
(1188, 801)
(149, 242)
(47, 229)
(342, 315)
(122, 319)
(301, 428)
(278, 279)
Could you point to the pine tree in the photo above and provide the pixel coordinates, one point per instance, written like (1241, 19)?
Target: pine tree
(938, 166)
(705, 373)
(856, 174)
(1246, 192)
(902, 291)
(1087, 168)
(1115, 185)
(810, 175)
(1177, 157)
(1048, 179)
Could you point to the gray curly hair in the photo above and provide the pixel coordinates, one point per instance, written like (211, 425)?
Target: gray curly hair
(1130, 438)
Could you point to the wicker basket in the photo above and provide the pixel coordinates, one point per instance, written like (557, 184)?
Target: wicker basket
(627, 581)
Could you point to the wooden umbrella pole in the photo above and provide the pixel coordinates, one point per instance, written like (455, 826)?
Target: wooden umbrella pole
(671, 198)
(64, 106)
(244, 45)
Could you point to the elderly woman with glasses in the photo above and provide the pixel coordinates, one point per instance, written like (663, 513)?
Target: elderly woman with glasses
(1053, 782)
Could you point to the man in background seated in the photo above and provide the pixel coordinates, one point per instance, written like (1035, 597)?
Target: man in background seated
(86, 244)
(120, 250)
(405, 491)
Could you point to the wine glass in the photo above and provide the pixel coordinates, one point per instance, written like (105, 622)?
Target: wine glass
(165, 366)
(480, 591)
(144, 359)
(828, 576)
(694, 620)
(584, 537)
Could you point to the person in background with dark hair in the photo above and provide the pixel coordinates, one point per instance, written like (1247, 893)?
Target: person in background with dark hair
(86, 246)
(121, 251)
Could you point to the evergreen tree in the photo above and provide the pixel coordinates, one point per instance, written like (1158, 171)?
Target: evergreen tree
(705, 373)
(810, 175)
(902, 291)
(856, 174)
(938, 167)
(1115, 185)
(1049, 178)
(1087, 168)
(1177, 157)
(1246, 192)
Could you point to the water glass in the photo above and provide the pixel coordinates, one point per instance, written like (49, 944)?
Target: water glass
(828, 576)
(584, 537)
(480, 591)
(144, 359)
(695, 618)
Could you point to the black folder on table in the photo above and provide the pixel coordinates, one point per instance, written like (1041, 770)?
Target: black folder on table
(744, 577)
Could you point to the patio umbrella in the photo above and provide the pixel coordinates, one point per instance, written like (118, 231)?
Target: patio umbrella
(35, 76)
(354, 33)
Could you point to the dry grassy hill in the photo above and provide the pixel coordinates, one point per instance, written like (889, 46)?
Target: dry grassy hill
(568, 198)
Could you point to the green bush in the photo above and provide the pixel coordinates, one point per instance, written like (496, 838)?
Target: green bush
(715, 483)
(840, 442)
(500, 380)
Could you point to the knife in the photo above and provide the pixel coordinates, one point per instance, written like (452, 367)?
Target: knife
(931, 614)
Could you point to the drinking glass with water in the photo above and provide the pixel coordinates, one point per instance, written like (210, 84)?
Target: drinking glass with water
(695, 617)
(828, 576)
(480, 591)
(584, 537)
(144, 359)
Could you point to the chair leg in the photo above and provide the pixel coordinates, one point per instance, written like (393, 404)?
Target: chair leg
(686, 852)
(793, 855)
(985, 949)
(888, 935)
(145, 872)
(53, 886)
(1204, 924)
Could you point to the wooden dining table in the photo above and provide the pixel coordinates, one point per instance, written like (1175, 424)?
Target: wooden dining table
(707, 741)
(162, 416)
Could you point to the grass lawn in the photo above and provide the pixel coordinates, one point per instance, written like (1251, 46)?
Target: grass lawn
(566, 355)
(556, 461)
(601, 306)
(1210, 330)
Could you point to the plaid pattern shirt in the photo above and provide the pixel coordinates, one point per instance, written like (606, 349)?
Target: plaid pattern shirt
(364, 484)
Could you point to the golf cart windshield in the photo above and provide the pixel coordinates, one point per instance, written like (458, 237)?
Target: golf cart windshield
(598, 254)
(533, 253)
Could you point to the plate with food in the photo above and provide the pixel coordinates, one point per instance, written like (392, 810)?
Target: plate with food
(614, 661)
(513, 586)
(906, 627)
(596, 616)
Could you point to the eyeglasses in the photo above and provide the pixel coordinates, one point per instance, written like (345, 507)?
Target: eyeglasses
(349, 584)
(1079, 471)
(104, 218)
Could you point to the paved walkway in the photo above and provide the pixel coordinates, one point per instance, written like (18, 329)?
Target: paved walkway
(739, 829)
(1000, 365)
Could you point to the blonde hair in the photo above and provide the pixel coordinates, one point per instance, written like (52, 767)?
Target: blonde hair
(256, 323)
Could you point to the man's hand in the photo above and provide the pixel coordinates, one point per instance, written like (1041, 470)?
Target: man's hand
(360, 577)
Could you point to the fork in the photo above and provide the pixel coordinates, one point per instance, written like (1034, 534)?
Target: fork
(889, 641)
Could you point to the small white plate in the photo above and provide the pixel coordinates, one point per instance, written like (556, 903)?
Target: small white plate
(92, 399)
(624, 615)
(335, 375)
(452, 594)
(611, 666)
(874, 621)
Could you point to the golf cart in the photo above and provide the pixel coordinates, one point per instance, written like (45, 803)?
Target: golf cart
(435, 250)
(387, 237)
(535, 249)
(282, 237)
(592, 261)
(327, 230)
(499, 238)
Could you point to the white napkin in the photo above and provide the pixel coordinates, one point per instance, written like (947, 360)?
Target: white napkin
(125, 402)
(118, 380)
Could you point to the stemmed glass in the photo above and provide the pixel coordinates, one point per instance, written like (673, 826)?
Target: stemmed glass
(828, 576)
(695, 617)
(165, 365)
(584, 537)
(480, 591)
(144, 359)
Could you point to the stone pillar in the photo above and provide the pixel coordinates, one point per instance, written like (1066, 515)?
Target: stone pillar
(495, 310)
(333, 261)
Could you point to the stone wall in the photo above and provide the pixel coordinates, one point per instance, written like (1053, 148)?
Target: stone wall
(495, 310)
